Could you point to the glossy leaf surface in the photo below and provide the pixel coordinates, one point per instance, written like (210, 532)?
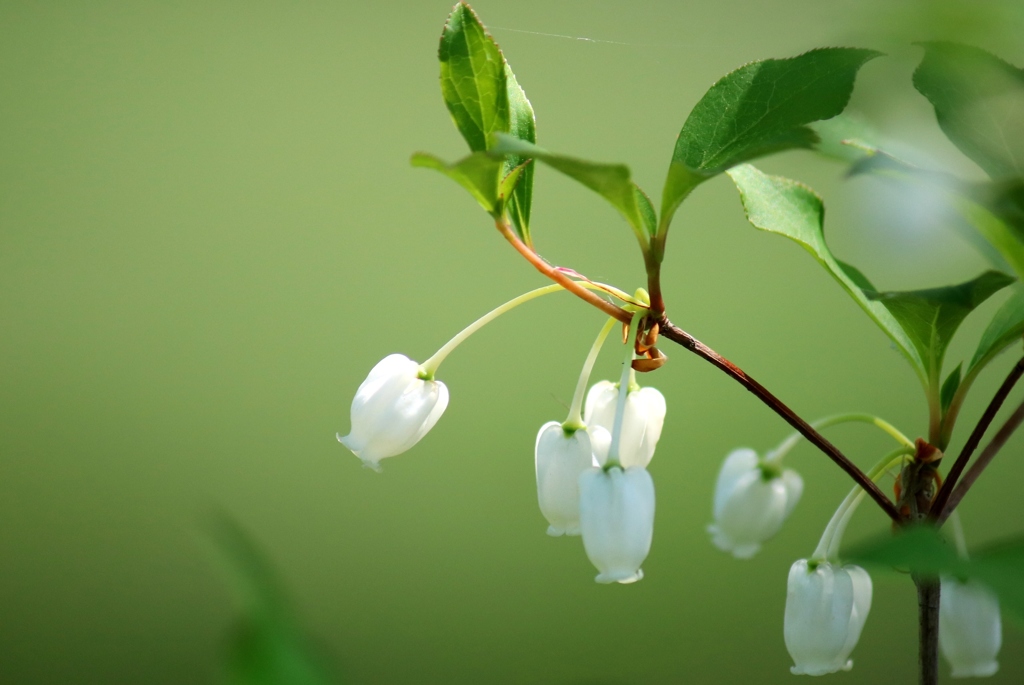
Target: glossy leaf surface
(760, 108)
(611, 181)
(785, 207)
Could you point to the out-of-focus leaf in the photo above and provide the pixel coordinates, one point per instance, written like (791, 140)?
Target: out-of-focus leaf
(919, 549)
(478, 173)
(979, 103)
(522, 125)
(923, 550)
(611, 181)
(760, 108)
(780, 205)
(931, 317)
(845, 137)
(473, 78)
(266, 646)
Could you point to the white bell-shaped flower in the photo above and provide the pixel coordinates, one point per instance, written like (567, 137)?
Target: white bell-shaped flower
(642, 420)
(752, 500)
(826, 607)
(392, 410)
(970, 630)
(560, 458)
(617, 521)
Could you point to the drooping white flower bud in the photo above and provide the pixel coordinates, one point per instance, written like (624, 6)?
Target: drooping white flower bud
(560, 459)
(642, 420)
(601, 442)
(970, 629)
(752, 500)
(826, 607)
(617, 521)
(392, 410)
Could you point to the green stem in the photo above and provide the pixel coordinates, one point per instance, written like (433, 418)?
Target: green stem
(575, 419)
(775, 456)
(958, 534)
(620, 407)
(429, 367)
(828, 546)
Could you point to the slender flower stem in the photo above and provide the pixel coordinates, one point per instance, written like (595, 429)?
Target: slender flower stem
(942, 499)
(928, 597)
(984, 459)
(620, 407)
(577, 288)
(575, 419)
(775, 456)
(429, 367)
(687, 341)
(828, 546)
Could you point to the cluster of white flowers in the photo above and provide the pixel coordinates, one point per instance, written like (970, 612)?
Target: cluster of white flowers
(592, 480)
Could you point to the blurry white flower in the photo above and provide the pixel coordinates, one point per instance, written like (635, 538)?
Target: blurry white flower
(825, 612)
(970, 630)
(392, 410)
(642, 420)
(617, 521)
(752, 500)
(560, 459)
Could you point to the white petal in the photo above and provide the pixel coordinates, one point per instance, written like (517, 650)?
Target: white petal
(738, 463)
(654, 408)
(559, 461)
(393, 409)
(617, 521)
(825, 612)
(970, 628)
(601, 441)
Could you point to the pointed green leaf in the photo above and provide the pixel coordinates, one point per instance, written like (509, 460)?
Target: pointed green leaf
(1006, 328)
(478, 173)
(931, 317)
(760, 108)
(522, 125)
(950, 386)
(473, 78)
(979, 103)
(782, 206)
(611, 181)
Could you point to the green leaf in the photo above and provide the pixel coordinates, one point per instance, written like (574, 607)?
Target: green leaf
(993, 211)
(473, 78)
(611, 181)
(950, 386)
(760, 108)
(844, 137)
(785, 207)
(1006, 328)
(478, 173)
(522, 125)
(266, 645)
(931, 317)
(923, 550)
(979, 103)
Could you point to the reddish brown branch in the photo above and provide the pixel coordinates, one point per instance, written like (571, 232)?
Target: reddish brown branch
(984, 459)
(681, 337)
(941, 502)
(561, 278)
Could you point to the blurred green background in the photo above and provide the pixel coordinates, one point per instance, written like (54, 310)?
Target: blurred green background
(209, 233)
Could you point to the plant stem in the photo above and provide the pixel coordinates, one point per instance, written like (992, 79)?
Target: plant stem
(575, 418)
(942, 498)
(828, 546)
(620, 407)
(775, 456)
(575, 287)
(928, 628)
(687, 341)
(986, 456)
